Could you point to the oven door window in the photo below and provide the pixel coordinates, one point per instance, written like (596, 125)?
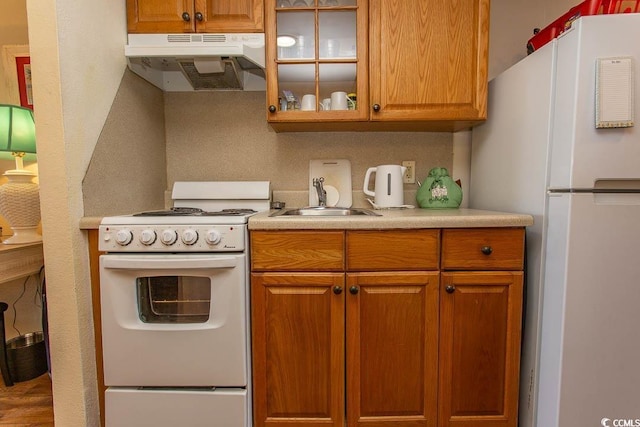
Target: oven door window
(174, 299)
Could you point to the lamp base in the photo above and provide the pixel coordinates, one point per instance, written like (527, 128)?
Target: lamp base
(22, 235)
(20, 206)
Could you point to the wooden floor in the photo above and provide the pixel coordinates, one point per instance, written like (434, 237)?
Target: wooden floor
(27, 403)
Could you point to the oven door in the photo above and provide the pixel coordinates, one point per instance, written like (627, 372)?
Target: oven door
(174, 320)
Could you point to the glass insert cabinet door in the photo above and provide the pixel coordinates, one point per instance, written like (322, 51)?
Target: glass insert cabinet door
(316, 60)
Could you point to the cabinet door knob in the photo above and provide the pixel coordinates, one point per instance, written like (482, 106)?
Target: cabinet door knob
(450, 289)
(487, 250)
(272, 108)
(186, 17)
(199, 16)
(337, 290)
(376, 107)
(354, 290)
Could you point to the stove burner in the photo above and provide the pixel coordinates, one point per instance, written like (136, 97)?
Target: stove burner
(186, 211)
(229, 212)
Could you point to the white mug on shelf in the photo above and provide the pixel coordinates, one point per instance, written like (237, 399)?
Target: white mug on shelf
(329, 48)
(339, 101)
(325, 104)
(308, 102)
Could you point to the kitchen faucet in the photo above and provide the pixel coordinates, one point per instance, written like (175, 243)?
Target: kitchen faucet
(322, 194)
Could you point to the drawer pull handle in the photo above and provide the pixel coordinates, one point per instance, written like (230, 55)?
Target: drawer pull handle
(337, 290)
(186, 17)
(487, 250)
(450, 289)
(353, 290)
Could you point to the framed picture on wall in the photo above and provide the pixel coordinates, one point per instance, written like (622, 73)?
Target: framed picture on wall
(23, 69)
(12, 69)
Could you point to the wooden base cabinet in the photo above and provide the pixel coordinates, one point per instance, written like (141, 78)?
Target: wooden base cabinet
(392, 349)
(379, 328)
(480, 327)
(480, 349)
(347, 347)
(298, 349)
(301, 322)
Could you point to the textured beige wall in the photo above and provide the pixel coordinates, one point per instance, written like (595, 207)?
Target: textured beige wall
(225, 136)
(128, 170)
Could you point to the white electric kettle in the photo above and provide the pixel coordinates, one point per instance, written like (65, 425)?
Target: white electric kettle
(388, 186)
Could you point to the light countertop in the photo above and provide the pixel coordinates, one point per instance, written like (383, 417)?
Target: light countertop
(394, 219)
(389, 219)
(90, 222)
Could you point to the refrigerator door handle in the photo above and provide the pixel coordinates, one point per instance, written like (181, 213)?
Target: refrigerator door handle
(596, 190)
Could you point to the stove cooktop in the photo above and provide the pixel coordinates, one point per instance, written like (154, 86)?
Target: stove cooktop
(186, 211)
(182, 217)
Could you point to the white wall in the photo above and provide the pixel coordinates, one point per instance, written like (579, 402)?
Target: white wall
(77, 64)
(25, 306)
(512, 24)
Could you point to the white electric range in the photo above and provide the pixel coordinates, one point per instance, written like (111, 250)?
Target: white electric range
(175, 308)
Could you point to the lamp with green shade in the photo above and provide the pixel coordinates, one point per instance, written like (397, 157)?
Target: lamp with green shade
(20, 196)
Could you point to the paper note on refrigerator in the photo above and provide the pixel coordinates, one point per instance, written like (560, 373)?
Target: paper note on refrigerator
(615, 92)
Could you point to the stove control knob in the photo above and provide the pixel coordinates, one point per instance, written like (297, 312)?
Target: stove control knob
(213, 237)
(168, 236)
(124, 237)
(189, 237)
(148, 237)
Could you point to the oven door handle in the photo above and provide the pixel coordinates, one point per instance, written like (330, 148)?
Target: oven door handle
(172, 263)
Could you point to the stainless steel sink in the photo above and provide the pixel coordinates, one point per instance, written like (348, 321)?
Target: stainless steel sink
(323, 211)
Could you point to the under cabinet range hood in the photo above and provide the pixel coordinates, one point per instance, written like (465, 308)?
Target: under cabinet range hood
(198, 61)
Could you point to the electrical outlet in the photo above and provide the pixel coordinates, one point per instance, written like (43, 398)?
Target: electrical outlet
(410, 175)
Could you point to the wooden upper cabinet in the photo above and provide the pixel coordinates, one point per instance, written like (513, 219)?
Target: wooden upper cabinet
(241, 16)
(187, 16)
(429, 60)
(159, 16)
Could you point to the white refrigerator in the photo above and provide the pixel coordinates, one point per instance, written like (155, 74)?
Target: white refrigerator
(540, 152)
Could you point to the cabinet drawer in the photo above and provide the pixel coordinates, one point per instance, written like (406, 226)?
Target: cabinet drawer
(483, 249)
(393, 250)
(297, 250)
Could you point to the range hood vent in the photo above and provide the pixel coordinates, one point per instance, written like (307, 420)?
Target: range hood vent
(198, 61)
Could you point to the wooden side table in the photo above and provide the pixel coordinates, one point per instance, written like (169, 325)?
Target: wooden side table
(17, 261)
